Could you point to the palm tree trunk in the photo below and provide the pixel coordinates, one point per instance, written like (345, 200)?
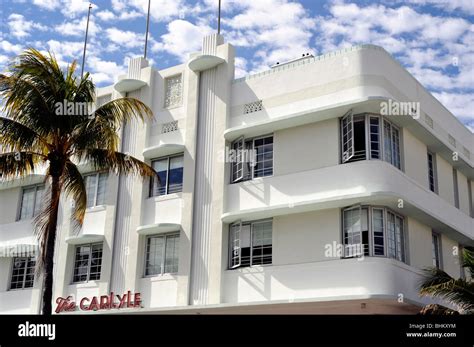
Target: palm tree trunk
(50, 243)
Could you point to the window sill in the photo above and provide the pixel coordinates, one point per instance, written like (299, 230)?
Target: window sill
(96, 208)
(19, 289)
(256, 179)
(172, 107)
(252, 268)
(166, 197)
(161, 277)
(88, 284)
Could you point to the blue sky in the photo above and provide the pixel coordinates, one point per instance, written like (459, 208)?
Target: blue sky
(433, 39)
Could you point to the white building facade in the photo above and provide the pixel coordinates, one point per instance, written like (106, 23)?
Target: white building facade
(338, 211)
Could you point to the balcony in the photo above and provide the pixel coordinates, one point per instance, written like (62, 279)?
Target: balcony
(93, 228)
(161, 214)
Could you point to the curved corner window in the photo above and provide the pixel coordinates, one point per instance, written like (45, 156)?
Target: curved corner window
(373, 231)
(369, 136)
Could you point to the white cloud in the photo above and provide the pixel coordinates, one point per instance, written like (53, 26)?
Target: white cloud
(104, 71)
(462, 105)
(160, 10)
(66, 49)
(69, 8)
(47, 4)
(106, 15)
(77, 27)
(20, 27)
(182, 38)
(125, 38)
(9, 47)
(240, 67)
(466, 6)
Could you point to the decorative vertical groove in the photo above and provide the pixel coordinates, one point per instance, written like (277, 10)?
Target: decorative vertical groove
(124, 210)
(203, 189)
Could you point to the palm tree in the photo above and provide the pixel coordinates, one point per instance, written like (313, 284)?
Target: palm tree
(33, 135)
(458, 292)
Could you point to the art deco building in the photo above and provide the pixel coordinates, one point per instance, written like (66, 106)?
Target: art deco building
(338, 212)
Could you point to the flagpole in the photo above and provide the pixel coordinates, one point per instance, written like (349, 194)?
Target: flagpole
(85, 41)
(147, 28)
(219, 19)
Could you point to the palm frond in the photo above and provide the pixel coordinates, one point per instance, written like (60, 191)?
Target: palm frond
(19, 137)
(85, 135)
(437, 283)
(27, 104)
(468, 260)
(18, 164)
(116, 162)
(122, 110)
(74, 187)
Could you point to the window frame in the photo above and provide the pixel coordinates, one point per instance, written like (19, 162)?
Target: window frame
(24, 274)
(251, 174)
(456, 188)
(163, 256)
(230, 244)
(151, 193)
(35, 186)
(366, 117)
(89, 262)
(97, 174)
(470, 203)
(370, 226)
(432, 168)
(439, 259)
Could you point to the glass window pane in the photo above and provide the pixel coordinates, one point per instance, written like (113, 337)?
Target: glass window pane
(377, 226)
(374, 138)
(261, 243)
(23, 272)
(171, 254)
(91, 184)
(38, 199)
(387, 142)
(101, 190)
(175, 184)
(264, 157)
(159, 185)
(399, 238)
(154, 255)
(27, 203)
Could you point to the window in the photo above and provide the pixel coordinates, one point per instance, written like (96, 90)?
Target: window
(87, 262)
(373, 231)
(95, 188)
(368, 136)
(469, 197)
(395, 237)
(23, 272)
(162, 254)
(436, 249)
(461, 260)
(253, 158)
(170, 174)
(456, 188)
(432, 177)
(356, 231)
(250, 244)
(173, 91)
(31, 201)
